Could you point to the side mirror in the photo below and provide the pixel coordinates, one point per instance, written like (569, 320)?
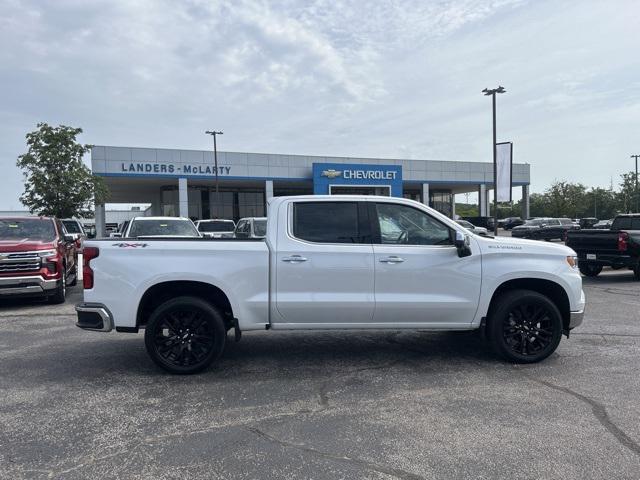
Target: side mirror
(461, 243)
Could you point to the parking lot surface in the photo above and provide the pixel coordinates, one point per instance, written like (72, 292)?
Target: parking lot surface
(380, 405)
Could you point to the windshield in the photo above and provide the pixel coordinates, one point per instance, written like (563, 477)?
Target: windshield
(72, 226)
(146, 228)
(34, 229)
(216, 226)
(260, 228)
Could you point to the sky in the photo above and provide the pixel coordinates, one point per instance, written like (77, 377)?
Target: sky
(386, 79)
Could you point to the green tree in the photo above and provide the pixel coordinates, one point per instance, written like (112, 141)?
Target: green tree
(627, 195)
(56, 181)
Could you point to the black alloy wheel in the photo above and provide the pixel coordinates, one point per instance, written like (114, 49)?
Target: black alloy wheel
(185, 335)
(525, 326)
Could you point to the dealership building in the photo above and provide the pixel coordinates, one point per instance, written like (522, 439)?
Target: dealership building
(183, 182)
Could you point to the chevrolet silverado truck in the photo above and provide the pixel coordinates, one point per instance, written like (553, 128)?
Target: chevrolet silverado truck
(37, 258)
(618, 247)
(332, 262)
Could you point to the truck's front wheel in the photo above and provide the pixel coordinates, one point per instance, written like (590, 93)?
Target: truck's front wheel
(524, 326)
(185, 335)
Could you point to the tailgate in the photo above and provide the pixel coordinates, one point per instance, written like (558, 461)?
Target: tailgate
(593, 241)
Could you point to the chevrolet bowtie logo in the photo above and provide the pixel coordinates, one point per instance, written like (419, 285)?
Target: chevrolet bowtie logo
(331, 173)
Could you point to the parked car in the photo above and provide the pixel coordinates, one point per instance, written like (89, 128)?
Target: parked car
(603, 225)
(511, 222)
(334, 263)
(160, 227)
(37, 258)
(217, 228)
(470, 226)
(119, 232)
(587, 222)
(544, 228)
(617, 247)
(74, 228)
(251, 227)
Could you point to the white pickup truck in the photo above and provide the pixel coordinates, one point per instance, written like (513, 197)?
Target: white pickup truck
(332, 262)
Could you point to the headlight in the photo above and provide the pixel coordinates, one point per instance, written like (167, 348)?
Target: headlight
(47, 253)
(572, 260)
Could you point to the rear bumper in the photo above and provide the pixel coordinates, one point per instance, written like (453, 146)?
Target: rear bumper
(94, 316)
(27, 285)
(608, 260)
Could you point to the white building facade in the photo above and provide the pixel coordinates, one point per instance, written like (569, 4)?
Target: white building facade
(183, 182)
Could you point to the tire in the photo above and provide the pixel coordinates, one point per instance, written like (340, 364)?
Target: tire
(185, 335)
(590, 270)
(636, 272)
(75, 276)
(524, 326)
(60, 292)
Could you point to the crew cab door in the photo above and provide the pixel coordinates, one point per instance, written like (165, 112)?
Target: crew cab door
(323, 264)
(419, 277)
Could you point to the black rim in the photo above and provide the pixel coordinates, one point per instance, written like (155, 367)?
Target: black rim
(183, 338)
(528, 329)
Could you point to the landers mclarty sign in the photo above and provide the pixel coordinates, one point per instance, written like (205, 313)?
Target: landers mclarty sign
(171, 169)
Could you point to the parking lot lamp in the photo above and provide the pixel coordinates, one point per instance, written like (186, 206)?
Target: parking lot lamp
(213, 133)
(492, 92)
(636, 188)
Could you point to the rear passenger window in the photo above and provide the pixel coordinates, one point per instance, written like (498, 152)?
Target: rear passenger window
(326, 222)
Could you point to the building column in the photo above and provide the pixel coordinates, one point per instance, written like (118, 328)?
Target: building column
(453, 205)
(525, 202)
(425, 194)
(482, 200)
(268, 193)
(183, 198)
(100, 220)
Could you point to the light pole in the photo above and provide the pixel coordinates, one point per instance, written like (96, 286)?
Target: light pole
(213, 133)
(636, 157)
(493, 92)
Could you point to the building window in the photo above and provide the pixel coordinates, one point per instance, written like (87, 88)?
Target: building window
(441, 201)
(251, 204)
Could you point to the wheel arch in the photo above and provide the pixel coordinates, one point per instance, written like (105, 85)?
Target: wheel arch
(550, 289)
(163, 291)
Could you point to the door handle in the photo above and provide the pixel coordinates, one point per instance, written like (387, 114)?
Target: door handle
(294, 259)
(392, 259)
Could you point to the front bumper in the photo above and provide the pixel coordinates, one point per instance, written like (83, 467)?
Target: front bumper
(94, 316)
(27, 285)
(576, 316)
(575, 319)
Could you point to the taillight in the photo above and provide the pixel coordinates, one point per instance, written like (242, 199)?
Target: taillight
(623, 239)
(88, 253)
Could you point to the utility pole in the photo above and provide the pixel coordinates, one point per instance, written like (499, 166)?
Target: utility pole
(636, 188)
(492, 92)
(213, 133)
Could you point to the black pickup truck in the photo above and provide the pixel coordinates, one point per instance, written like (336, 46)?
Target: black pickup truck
(618, 247)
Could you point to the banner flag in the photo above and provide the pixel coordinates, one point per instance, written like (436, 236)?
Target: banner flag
(504, 160)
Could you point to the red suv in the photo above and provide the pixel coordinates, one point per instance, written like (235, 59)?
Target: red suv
(37, 257)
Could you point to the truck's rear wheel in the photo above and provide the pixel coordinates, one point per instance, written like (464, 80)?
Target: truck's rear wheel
(590, 270)
(524, 326)
(185, 335)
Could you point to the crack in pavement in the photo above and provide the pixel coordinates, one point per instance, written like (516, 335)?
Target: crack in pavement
(394, 472)
(600, 412)
(632, 335)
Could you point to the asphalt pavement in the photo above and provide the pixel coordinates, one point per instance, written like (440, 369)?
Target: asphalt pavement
(322, 405)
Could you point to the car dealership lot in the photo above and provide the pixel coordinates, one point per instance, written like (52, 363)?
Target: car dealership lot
(404, 405)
